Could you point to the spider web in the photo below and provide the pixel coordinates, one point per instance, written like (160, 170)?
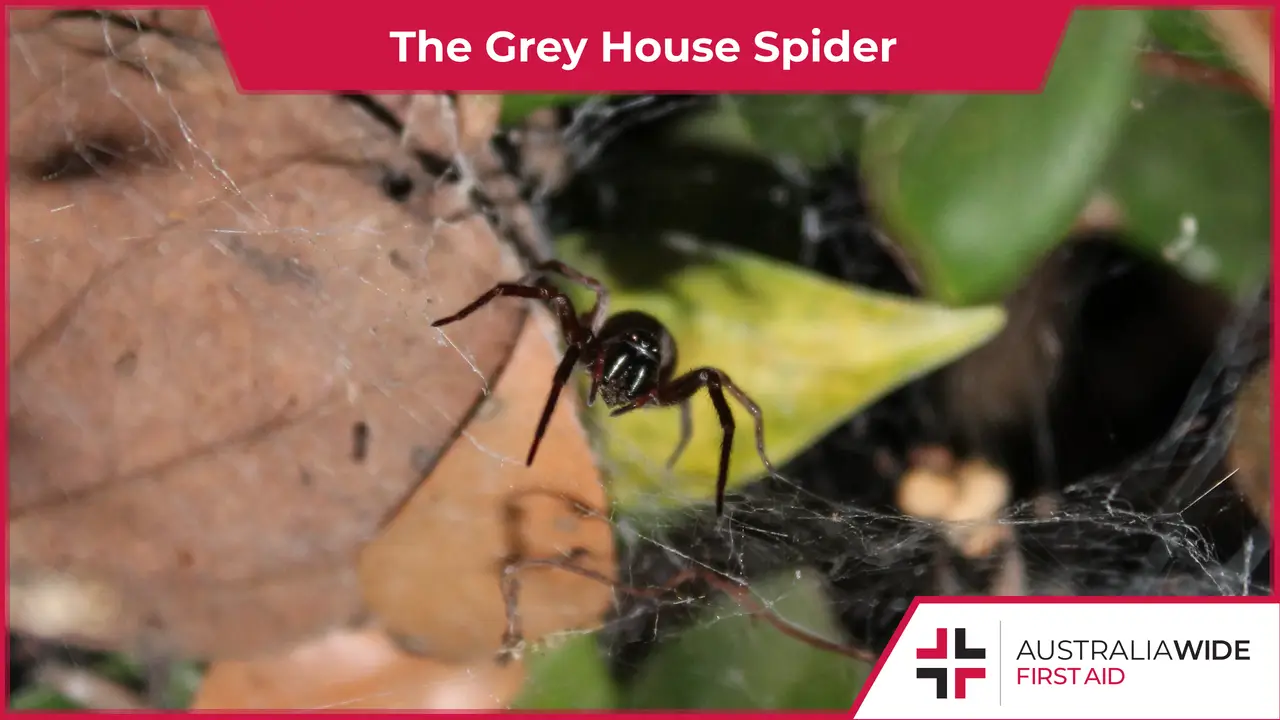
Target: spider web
(1161, 519)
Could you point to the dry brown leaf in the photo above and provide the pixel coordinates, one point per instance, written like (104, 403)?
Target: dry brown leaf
(478, 117)
(1246, 35)
(433, 577)
(1250, 454)
(470, 120)
(474, 119)
(187, 24)
(355, 670)
(421, 118)
(223, 378)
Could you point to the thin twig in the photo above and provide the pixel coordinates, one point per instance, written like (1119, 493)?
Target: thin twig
(739, 592)
(1246, 36)
(1181, 67)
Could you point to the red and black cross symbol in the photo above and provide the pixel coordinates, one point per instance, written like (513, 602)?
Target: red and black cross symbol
(961, 652)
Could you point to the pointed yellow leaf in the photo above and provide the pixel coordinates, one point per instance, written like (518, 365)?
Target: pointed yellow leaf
(809, 350)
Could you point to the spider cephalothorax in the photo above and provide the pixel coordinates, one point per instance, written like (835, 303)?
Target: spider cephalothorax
(635, 355)
(632, 358)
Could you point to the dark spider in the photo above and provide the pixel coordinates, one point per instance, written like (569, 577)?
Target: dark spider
(632, 358)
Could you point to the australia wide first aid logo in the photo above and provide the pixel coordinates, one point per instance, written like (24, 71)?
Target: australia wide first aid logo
(1080, 660)
(965, 662)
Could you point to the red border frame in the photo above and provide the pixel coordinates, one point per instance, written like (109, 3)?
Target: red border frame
(1274, 598)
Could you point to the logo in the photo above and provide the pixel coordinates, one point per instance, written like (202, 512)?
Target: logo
(962, 675)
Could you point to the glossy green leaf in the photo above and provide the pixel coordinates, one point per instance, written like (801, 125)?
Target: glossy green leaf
(810, 351)
(1183, 32)
(1192, 175)
(978, 188)
(567, 674)
(729, 660)
(517, 106)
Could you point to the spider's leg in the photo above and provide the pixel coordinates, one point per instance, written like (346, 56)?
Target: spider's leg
(756, 415)
(597, 374)
(596, 314)
(686, 432)
(557, 384)
(680, 390)
(499, 290)
(716, 382)
(712, 381)
(556, 300)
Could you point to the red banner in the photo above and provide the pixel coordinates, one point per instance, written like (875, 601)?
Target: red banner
(664, 45)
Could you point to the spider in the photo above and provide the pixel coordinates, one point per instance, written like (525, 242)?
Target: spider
(632, 359)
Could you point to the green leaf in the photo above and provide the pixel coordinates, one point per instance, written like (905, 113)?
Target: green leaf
(1183, 32)
(814, 130)
(38, 697)
(978, 188)
(119, 668)
(185, 678)
(810, 351)
(720, 127)
(517, 106)
(569, 674)
(1192, 176)
(730, 660)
